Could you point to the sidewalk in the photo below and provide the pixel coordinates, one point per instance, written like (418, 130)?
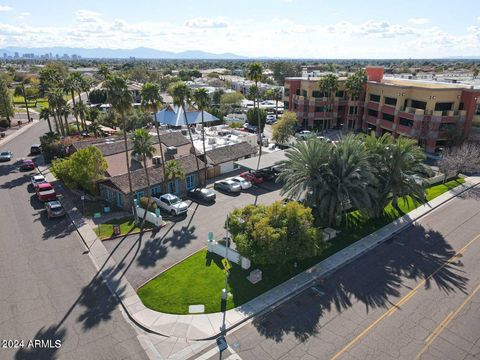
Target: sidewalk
(208, 326)
(12, 134)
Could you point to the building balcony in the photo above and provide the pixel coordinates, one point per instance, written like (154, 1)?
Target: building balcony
(371, 120)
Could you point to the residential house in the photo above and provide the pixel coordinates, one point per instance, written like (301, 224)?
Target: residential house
(222, 159)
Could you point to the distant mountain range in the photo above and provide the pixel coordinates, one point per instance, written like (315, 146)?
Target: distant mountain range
(99, 53)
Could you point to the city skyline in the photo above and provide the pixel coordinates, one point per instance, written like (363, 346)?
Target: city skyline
(273, 28)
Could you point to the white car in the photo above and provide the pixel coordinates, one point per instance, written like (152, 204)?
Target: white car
(37, 179)
(171, 203)
(303, 134)
(244, 184)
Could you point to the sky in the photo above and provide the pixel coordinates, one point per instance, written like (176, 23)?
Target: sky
(253, 28)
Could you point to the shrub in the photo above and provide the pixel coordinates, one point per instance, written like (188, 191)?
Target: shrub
(144, 204)
(236, 125)
(4, 123)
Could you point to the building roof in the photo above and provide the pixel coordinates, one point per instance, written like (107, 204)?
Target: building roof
(420, 84)
(174, 138)
(230, 152)
(173, 116)
(267, 160)
(139, 181)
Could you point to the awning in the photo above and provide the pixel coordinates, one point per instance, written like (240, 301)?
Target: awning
(267, 160)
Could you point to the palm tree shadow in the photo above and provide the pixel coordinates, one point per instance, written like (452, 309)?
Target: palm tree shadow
(416, 255)
(53, 334)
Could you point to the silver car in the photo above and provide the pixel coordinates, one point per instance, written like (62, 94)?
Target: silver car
(228, 186)
(6, 156)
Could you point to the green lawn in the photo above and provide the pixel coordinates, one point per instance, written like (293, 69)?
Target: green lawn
(199, 279)
(127, 225)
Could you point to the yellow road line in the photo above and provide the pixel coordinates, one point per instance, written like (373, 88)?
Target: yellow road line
(439, 326)
(445, 323)
(402, 301)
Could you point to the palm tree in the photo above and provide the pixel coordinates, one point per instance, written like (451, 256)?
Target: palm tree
(94, 127)
(174, 171)
(151, 97)
(80, 109)
(276, 94)
(66, 110)
(328, 84)
(45, 115)
(255, 74)
(56, 102)
(202, 100)
(181, 96)
(143, 149)
(120, 98)
(70, 85)
(354, 86)
(103, 71)
(331, 178)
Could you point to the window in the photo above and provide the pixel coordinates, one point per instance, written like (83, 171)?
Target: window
(286, 92)
(390, 101)
(190, 181)
(156, 190)
(286, 105)
(319, 94)
(353, 110)
(107, 194)
(419, 104)
(139, 194)
(171, 189)
(305, 107)
(446, 126)
(295, 106)
(375, 98)
(439, 106)
(387, 117)
(406, 122)
(297, 92)
(373, 113)
(460, 107)
(339, 94)
(304, 93)
(477, 112)
(321, 108)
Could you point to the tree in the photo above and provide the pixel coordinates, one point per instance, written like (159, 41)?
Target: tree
(257, 116)
(255, 73)
(460, 159)
(354, 85)
(120, 98)
(103, 71)
(56, 103)
(202, 101)
(174, 171)
(275, 234)
(328, 177)
(181, 97)
(328, 84)
(83, 169)
(151, 97)
(283, 69)
(80, 110)
(6, 107)
(143, 149)
(275, 94)
(217, 96)
(70, 85)
(97, 96)
(283, 129)
(233, 99)
(45, 115)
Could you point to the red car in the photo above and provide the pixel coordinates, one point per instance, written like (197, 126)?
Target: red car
(46, 192)
(27, 165)
(254, 179)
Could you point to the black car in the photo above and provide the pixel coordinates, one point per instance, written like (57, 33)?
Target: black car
(266, 174)
(203, 195)
(35, 149)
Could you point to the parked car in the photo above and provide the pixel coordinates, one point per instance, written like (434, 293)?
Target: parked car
(37, 179)
(271, 119)
(203, 195)
(35, 149)
(250, 128)
(6, 156)
(54, 209)
(244, 184)
(46, 192)
(252, 177)
(303, 134)
(227, 186)
(27, 164)
(171, 203)
(266, 174)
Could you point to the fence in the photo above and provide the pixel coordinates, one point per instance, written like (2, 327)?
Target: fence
(150, 217)
(232, 255)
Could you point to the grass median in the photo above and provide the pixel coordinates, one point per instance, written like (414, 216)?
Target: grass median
(127, 225)
(200, 278)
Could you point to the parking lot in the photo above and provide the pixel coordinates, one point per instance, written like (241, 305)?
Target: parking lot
(143, 257)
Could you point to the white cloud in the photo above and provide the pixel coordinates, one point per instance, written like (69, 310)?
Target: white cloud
(24, 15)
(418, 21)
(87, 16)
(205, 23)
(5, 8)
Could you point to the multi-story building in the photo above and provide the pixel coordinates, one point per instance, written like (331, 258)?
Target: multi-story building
(423, 110)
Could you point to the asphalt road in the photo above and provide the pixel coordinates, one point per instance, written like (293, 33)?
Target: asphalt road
(415, 297)
(48, 286)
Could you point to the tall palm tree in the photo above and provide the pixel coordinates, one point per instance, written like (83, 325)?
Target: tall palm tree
(94, 127)
(56, 102)
(103, 71)
(151, 97)
(80, 109)
(120, 98)
(181, 97)
(328, 84)
(65, 111)
(331, 178)
(174, 171)
(202, 101)
(143, 149)
(354, 86)
(45, 115)
(70, 85)
(255, 73)
(276, 94)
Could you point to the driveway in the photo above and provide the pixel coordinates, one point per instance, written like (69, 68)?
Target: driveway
(148, 255)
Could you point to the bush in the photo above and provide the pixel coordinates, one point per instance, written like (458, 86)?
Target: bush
(236, 125)
(4, 123)
(144, 204)
(97, 96)
(52, 146)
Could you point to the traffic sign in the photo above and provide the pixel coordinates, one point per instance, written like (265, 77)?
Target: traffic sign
(226, 264)
(97, 215)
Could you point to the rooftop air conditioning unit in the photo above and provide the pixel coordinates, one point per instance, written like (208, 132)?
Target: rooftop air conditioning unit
(212, 141)
(171, 150)
(157, 160)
